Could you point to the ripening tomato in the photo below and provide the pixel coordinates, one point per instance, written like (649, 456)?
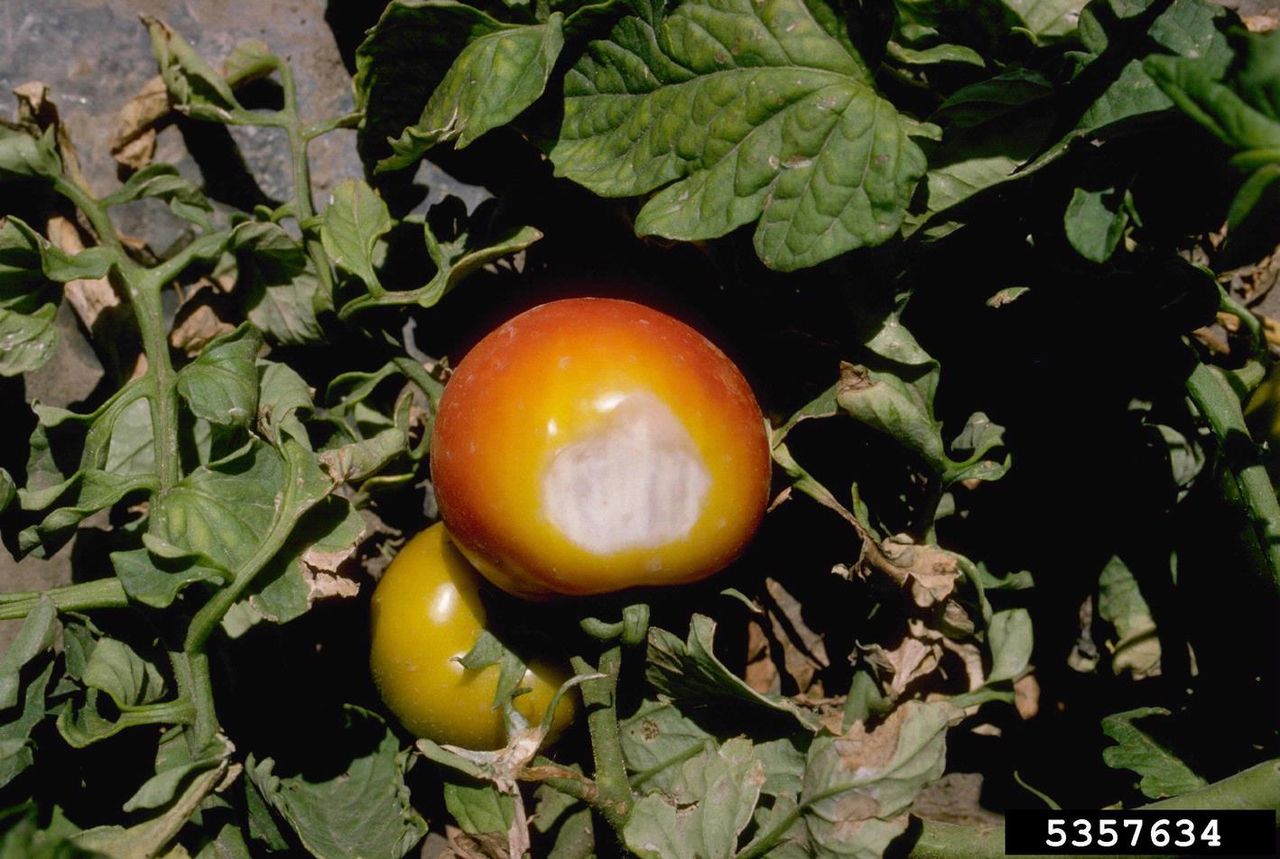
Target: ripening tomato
(591, 445)
(427, 611)
(1262, 413)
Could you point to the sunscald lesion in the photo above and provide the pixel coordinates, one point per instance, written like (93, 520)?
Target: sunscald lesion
(638, 481)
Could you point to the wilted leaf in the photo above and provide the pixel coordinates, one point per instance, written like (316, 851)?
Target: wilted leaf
(859, 786)
(709, 827)
(691, 670)
(1120, 603)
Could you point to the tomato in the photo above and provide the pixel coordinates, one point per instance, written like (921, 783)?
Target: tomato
(1262, 413)
(426, 611)
(591, 445)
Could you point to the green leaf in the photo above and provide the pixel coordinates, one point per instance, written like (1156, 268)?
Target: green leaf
(282, 396)
(358, 805)
(979, 437)
(221, 385)
(23, 156)
(8, 490)
(737, 111)
(1252, 193)
(175, 765)
(934, 55)
(35, 637)
(466, 251)
(113, 669)
(992, 98)
(1137, 646)
(665, 746)
(1095, 222)
(709, 827)
(249, 60)
(404, 59)
(194, 86)
(859, 785)
(691, 670)
(25, 840)
(1010, 640)
(305, 569)
(281, 290)
(1212, 104)
(350, 227)
(27, 342)
(223, 511)
(1162, 773)
(91, 490)
(157, 581)
(897, 401)
(116, 669)
(479, 808)
(1046, 20)
(495, 78)
(163, 182)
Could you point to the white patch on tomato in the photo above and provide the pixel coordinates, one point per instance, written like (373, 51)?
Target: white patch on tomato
(638, 482)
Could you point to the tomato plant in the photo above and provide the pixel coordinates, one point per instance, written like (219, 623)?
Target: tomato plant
(973, 521)
(427, 617)
(591, 445)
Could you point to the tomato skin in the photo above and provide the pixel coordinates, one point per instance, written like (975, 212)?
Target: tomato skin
(591, 445)
(426, 610)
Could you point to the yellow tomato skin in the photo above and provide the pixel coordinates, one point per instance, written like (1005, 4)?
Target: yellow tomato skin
(426, 611)
(571, 411)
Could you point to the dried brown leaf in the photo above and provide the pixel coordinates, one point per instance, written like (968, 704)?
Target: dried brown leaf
(196, 325)
(1026, 695)
(1264, 23)
(803, 652)
(89, 298)
(931, 572)
(913, 658)
(760, 674)
(134, 142)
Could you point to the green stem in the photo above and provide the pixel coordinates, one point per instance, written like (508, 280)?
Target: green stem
(1257, 787)
(96, 215)
(600, 698)
(1248, 321)
(86, 596)
(177, 712)
(302, 199)
(148, 309)
(347, 120)
(1221, 409)
(196, 686)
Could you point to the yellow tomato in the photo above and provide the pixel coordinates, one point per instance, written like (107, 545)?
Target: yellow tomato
(591, 445)
(427, 611)
(1263, 409)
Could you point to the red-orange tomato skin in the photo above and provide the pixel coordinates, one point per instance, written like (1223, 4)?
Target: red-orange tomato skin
(548, 384)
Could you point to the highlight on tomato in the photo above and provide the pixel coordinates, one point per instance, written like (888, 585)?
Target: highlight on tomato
(591, 445)
(426, 613)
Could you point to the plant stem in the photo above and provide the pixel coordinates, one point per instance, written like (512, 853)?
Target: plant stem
(1256, 787)
(96, 215)
(103, 593)
(1221, 409)
(304, 203)
(196, 686)
(600, 698)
